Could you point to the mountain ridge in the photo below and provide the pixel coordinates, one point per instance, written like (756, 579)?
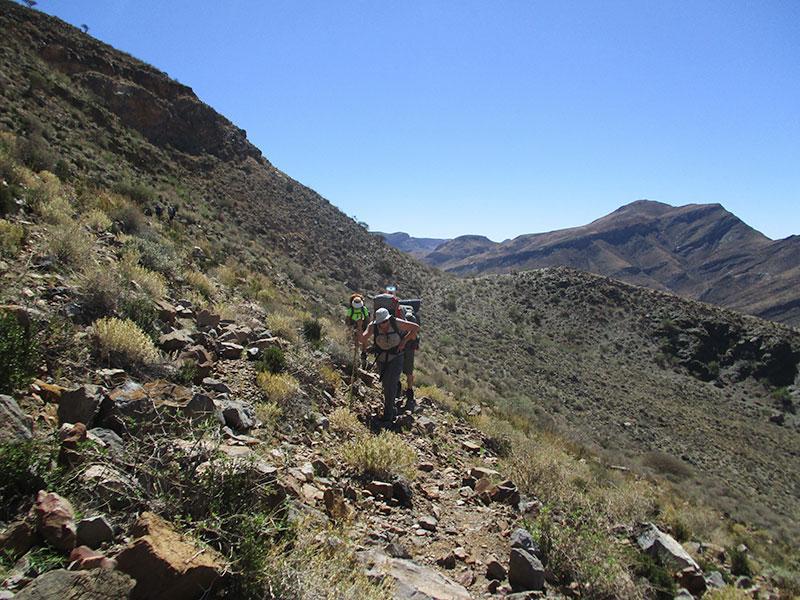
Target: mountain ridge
(699, 251)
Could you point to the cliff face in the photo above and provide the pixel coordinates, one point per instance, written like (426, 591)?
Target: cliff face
(699, 251)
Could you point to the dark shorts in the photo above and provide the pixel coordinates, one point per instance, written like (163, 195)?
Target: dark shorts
(408, 362)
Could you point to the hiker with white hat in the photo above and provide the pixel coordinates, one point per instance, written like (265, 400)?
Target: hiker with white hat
(389, 336)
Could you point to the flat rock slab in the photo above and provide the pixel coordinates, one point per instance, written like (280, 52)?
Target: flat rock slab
(412, 581)
(97, 584)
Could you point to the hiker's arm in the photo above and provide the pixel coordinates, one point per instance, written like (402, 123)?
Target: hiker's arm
(364, 336)
(410, 329)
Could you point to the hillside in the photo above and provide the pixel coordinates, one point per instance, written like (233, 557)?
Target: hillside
(699, 251)
(183, 384)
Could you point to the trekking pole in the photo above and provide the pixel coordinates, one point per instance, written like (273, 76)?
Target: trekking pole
(353, 370)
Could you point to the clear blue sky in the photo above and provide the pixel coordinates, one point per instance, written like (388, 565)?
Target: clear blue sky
(443, 118)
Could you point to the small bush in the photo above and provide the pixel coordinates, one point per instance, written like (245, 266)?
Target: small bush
(138, 192)
(283, 325)
(382, 456)
(268, 413)
(140, 309)
(35, 153)
(330, 377)
(11, 238)
(97, 220)
(123, 343)
(57, 211)
(129, 217)
(667, 465)
(101, 290)
(740, 564)
(153, 255)
(200, 283)
(345, 421)
(279, 387)
(659, 577)
(312, 330)
(70, 245)
(25, 468)
(151, 283)
(273, 360)
(18, 354)
(727, 593)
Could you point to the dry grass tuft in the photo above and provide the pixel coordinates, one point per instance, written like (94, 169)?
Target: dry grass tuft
(382, 455)
(202, 284)
(345, 422)
(96, 220)
(121, 342)
(151, 283)
(70, 245)
(269, 413)
(284, 325)
(279, 387)
(331, 378)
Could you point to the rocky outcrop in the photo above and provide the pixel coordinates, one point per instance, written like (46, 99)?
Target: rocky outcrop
(411, 580)
(663, 547)
(167, 565)
(14, 424)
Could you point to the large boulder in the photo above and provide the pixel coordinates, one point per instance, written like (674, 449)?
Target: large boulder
(94, 531)
(101, 584)
(412, 581)
(80, 405)
(167, 565)
(665, 549)
(110, 485)
(525, 571)
(55, 520)
(14, 424)
(18, 538)
(239, 416)
(175, 340)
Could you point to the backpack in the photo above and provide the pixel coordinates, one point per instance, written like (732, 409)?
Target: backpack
(375, 348)
(416, 309)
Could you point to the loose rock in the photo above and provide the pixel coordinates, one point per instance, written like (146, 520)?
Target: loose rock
(525, 571)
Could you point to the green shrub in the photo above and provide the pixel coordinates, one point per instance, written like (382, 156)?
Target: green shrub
(138, 192)
(11, 237)
(740, 564)
(312, 330)
(140, 309)
(659, 577)
(273, 360)
(153, 255)
(25, 467)
(35, 153)
(18, 354)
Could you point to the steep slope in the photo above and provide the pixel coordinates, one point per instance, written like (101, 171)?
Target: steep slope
(698, 251)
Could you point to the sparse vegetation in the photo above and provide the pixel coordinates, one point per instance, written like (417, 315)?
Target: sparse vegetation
(70, 245)
(273, 360)
(202, 284)
(345, 422)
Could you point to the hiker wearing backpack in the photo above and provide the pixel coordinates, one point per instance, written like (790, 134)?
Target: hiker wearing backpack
(408, 363)
(389, 336)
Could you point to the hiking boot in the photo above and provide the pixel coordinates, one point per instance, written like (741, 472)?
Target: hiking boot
(411, 403)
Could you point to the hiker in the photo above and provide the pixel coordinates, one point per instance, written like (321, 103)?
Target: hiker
(173, 210)
(389, 336)
(408, 364)
(159, 211)
(358, 318)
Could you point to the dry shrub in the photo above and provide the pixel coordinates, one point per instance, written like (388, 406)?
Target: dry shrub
(101, 290)
(226, 310)
(383, 455)
(331, 378)
(43, 189)
(284, 325)
(57, 211)
(201, 283)
(70, 245)
(11, 237)
(151, 283)
(345, 422)
(96, 220)
(121, 342)
(269, 413)
(279, 387)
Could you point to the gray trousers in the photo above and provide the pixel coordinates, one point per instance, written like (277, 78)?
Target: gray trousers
(391, 378)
